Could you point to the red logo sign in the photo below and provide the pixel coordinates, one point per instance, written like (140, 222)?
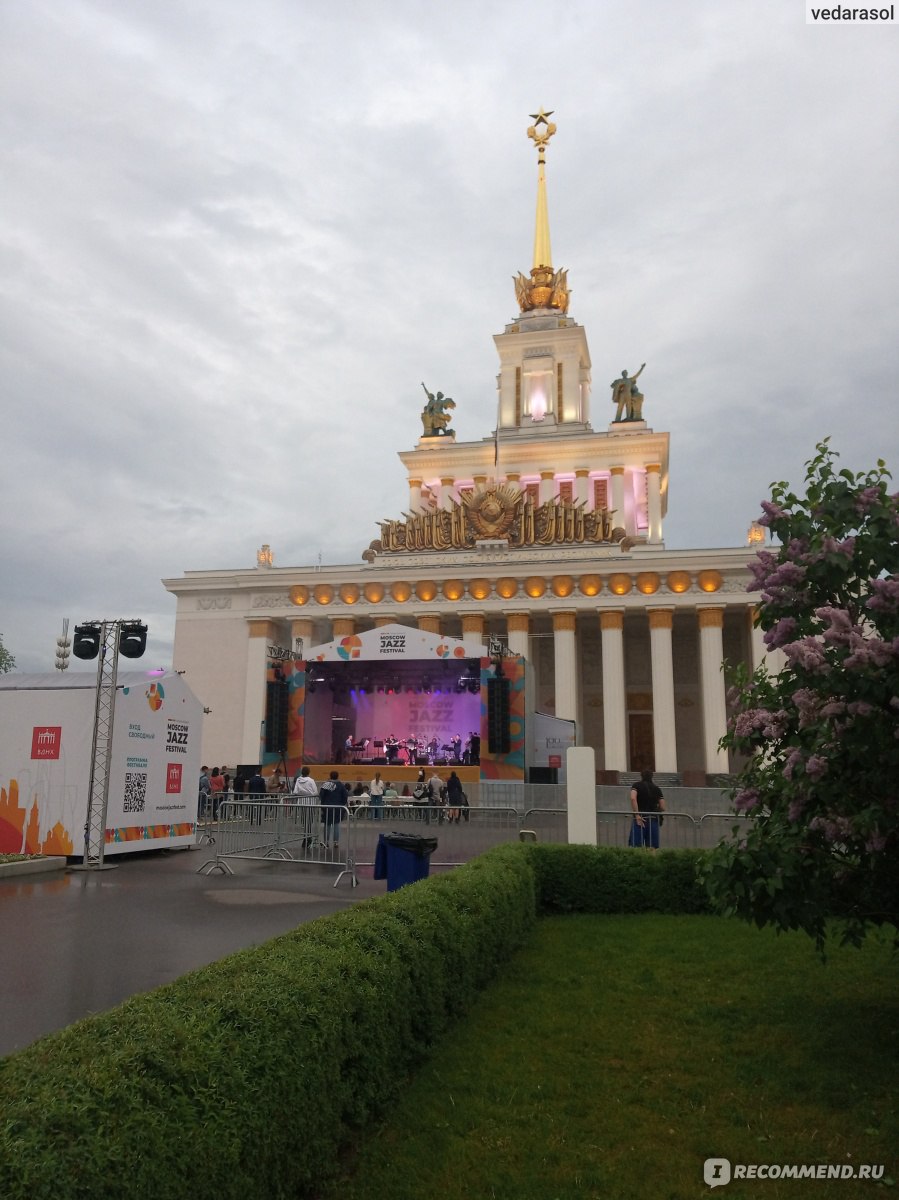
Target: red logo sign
(173, 777)
(555, 760)
(46, 741)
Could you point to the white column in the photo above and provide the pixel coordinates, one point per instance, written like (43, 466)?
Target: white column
(415, 495)
(580, 780)
(565, 665)
(714, 708)
(582, 486)
(654, 500)
(617, 501)
(259, 634)
(547, 486)
(665, 741)
(614, 701)
(473, 632)
(517, 632)
(445, 498)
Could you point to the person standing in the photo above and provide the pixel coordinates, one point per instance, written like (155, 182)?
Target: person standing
(305, 791)
(437, 795)
(376, 791)
(454, 795)
(204, 793)
(648, 805)
(333, 797)
(216, 785)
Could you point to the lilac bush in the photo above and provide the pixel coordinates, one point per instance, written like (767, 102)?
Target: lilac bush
(821, 781)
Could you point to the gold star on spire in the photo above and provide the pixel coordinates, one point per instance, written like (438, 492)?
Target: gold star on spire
(541, 136)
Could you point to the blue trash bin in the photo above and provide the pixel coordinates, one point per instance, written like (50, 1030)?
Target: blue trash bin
(403, 858)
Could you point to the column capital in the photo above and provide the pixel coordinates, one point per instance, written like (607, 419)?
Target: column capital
(384, 619)
(563, 619)
(616, 470)
(711, 618)
(660, 618)
(342, 626)
(413, 482)
(611, 618)
(654, 468)
(301, 627)
(261, 629)
(547, 474)
(581, 472)
(430, 623)
(473, 623)
(518, 622)
(513, 476)
(447, 480)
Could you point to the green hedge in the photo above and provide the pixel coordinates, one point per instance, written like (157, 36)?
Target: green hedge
(245, 1078)
(606, 879)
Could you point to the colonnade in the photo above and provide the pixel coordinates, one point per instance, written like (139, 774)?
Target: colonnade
(566, 663)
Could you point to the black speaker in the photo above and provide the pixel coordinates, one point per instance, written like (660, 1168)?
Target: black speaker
(499, 738)
(276, 709)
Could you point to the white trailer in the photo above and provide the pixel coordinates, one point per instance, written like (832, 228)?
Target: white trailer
(46, 738)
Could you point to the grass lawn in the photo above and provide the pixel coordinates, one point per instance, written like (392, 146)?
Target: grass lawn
(616, 1054)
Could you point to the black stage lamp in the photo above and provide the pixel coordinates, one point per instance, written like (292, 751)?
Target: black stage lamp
(132, 639)
(86, 641)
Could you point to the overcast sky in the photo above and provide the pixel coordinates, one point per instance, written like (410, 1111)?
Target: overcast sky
(235, 238)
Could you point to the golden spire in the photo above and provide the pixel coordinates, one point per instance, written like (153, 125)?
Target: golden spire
(543, 255)
(545, 288)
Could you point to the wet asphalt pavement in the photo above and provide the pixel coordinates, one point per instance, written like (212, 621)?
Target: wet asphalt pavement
(77, 943)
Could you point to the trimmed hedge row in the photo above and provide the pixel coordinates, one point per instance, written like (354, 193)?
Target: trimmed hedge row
(245, 1078)
(606, 879)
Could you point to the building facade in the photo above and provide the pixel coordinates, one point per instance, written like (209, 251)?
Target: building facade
(545, 537)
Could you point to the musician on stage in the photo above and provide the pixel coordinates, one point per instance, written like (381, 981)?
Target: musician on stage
(391, 748)
(456, 741)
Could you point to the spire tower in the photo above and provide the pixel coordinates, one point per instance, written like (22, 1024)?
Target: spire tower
(546, 288)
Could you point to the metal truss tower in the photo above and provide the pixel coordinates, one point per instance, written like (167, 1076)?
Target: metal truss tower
(101, 750)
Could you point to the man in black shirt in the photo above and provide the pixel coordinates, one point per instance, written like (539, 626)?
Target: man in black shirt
(648, 804)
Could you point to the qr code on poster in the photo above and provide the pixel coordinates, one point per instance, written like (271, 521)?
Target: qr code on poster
(135, 791)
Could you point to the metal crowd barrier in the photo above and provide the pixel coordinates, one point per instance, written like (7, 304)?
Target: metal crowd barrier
(260, 830)
(461, 834)
(680, 831)
(285, 831)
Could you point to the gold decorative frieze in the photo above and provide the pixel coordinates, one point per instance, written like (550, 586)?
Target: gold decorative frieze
(349, 593)
(401, 592)
(620, 585)
(373, 592)
(562, 585)
(479, 589)
(678, 581)
(426, 590)
(323, 593)
(648, 582)
(710, 581)
(535, 586)
(453, 589)
(299, 595)
(506, 588)
(590, 585)
(497, 511)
